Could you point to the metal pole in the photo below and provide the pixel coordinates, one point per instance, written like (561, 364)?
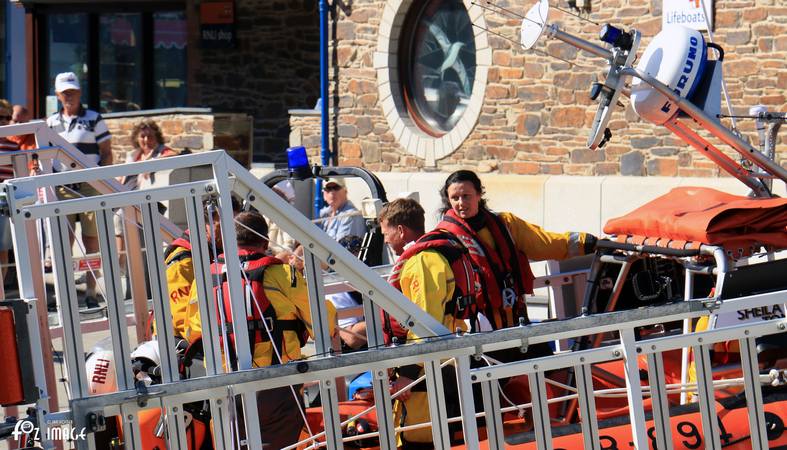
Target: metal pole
(325, 150)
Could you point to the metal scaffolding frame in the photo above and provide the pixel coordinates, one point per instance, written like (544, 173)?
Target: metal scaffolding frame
(220, 387)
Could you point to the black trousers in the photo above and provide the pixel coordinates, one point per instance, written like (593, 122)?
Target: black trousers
(281, 421)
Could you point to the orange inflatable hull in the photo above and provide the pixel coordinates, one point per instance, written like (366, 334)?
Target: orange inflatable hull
(196, 433)
(612, 413)
(685, 426)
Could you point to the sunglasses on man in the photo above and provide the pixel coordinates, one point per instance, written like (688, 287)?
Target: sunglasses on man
(331, 188)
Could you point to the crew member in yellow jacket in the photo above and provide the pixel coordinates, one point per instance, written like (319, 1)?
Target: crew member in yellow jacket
(283, 287)
(180, 276)
(180, 269)
(427, 280)
(279, 323)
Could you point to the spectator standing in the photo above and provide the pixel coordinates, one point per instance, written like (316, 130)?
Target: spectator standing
(148, 142)
(88, 132)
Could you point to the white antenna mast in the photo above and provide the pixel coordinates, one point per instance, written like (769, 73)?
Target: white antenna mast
(723, 83)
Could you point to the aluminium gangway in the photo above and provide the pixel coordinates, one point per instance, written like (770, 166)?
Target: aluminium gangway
(221, 388)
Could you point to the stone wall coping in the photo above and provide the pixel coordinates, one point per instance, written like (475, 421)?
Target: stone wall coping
(304, 112)
(157, 112)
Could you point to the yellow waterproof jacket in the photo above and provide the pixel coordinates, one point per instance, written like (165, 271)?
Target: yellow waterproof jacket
(180, 276)
(286, 291)
(428, 281)
(537, 243)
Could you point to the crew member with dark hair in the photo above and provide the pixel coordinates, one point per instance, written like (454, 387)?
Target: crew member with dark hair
(501, 246)
(279, 321)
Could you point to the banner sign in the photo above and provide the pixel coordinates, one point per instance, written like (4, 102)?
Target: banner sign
(687, 13)
(217, 24)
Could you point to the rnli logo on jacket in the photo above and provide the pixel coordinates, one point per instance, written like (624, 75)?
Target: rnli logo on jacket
(180, 293)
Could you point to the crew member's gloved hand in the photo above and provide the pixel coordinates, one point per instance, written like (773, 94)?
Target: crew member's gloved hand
(590, 243)
(181, 345)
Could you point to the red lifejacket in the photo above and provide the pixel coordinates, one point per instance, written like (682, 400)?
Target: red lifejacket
(505, 274)
(260, 313)
(463, 301)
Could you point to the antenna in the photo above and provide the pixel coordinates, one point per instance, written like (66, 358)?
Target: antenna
(533, 24)
(622, 55)
(540, 52)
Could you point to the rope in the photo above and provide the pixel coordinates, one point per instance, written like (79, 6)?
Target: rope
(274, 347)
(222, 320)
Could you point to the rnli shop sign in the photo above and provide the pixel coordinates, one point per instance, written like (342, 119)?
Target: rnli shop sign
(217, 24)
(687, 13)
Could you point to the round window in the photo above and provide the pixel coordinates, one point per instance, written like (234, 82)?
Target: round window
(438, 64)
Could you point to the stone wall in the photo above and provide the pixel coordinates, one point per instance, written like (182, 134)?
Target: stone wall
(305, 125)
(274, 67)
(536, 114)
(181, 131)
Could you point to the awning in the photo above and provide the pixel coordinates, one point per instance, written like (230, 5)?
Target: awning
(169, 33)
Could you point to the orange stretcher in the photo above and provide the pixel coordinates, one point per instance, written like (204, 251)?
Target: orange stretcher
(688, 215)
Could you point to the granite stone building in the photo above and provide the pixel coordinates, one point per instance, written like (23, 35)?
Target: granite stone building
(428, 85)
(438, 85)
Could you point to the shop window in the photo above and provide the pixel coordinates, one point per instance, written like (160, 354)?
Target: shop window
(120, 62)
(125, 60)
(169, 59)
(438, 64)
(68, 52)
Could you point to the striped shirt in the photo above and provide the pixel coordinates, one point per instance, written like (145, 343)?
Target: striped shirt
(85, 130)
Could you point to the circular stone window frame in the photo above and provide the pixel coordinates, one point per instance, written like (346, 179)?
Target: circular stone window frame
(386, 63)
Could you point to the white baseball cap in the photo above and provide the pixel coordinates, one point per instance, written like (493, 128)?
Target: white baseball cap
(65, 81)
(337, 181)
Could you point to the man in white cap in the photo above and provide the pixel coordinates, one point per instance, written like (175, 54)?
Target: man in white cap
(89, 133)
(340, 218)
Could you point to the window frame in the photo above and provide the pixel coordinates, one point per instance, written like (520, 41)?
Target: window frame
(406, 61)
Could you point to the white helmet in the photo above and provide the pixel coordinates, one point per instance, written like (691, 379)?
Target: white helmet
(101, 374)
(149, 351)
